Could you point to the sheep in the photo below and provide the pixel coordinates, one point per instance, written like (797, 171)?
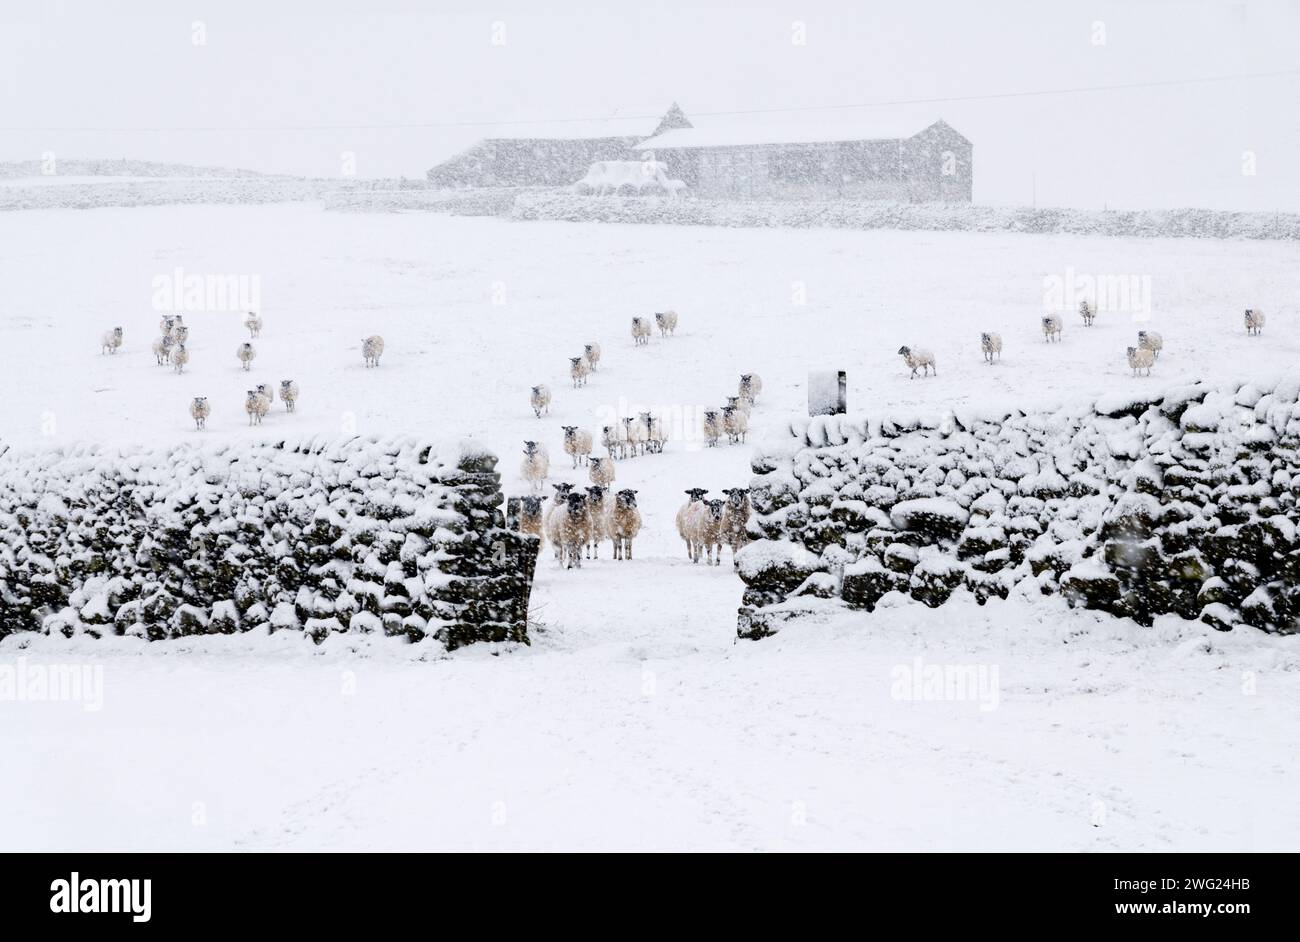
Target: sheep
(1150, 340)
(1254, 321)
(685, 515)
(706, 531)
(256, 405)
(180, 333)
(578, 371)
(253, 321)
(289, 394)
(667, 321)
(591, 353)
(656, 433)
(623, 523)
(267, 390)
(539, 397)
(166, 324)
(635, 434)
(110, 341)
(530, 518)
(612, 438)
(1052, 327)
(551, 516)
(640, 331)
(180, 356)
(245, 353)
(750, 386)
(735, 423)
(162, 349)
(918, 359)
(577, 444)
(1140, 358)
(601, 471)
(372, 348)
(991, 343)
(1087, 312)
(177, 322)
(574, 529)
(735, 516)
(712, 427)
(598, 504)
(741, 403)
(199, 412)
(536, 466)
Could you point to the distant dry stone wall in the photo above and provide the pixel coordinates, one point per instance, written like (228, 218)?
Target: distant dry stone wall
(1184, 503)
(847, 214)
(395, 537)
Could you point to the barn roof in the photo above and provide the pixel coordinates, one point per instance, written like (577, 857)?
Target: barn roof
(638, 121)
(740, 133)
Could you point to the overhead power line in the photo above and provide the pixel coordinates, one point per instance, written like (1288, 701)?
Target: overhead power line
(423, 125)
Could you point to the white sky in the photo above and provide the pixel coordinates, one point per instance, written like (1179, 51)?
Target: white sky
(78, 65)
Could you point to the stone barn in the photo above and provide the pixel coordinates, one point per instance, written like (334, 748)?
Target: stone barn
(764, 161)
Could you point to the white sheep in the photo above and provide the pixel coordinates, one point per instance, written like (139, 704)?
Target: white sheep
(257, 406)
(245, 354)
(601, 471)
(705, 523)
(530, 518)
(991, 344)
(573, 529)
(180, 333)
(1254, 321)
(640, 331)
(110, 341)
(735, 517)
(685, 517)
(1052, 327)
(1150, 340)
(751, 384)
(536, 466)
(1140, 358)
(166, 323)
(918, 359)
(667, 321)
(539, 397)
(180, 357)
(1087, 312)
(267, 390)
(289, 394)
(253, 321)
(577, 444)
(713, 427)
(623, 522)
(578, 371)
(611, 436)
(635, 434)
(656, 433)
(591, 353)
(162, 349)
(551, 515)
(372, 348)
(599, 503)
(199, 412)
(735, 423)
(741, 403)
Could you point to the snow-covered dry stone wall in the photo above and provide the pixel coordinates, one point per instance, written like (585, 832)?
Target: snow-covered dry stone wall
(1181, 503)
(391, 536)
(961, 217)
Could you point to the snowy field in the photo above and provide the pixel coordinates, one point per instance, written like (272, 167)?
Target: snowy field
(633, 721)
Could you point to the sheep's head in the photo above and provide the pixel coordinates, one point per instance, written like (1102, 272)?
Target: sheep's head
(736, 496)
(118, 331)
(286, 383)
(626, 498)
(596, 493)
(587, 348)
(746, 378)
(577, 502)
(646, 418)
(569, 430)
(715, 508)
(627, 421)
(696, 493)
(530, 448)
(904, 351)
(532, 504)
(596, 463)
(575, 360)
(1131, 350)
(984, 338)
(1142, 335)
(562, 488)
(711, 415)
(728, 411)
(200, 400)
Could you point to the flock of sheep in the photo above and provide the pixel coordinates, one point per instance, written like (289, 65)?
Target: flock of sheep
(576, 520)
(169, 349)
(1141, 357)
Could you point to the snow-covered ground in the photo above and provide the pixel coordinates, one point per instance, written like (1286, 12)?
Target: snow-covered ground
(633, 720)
